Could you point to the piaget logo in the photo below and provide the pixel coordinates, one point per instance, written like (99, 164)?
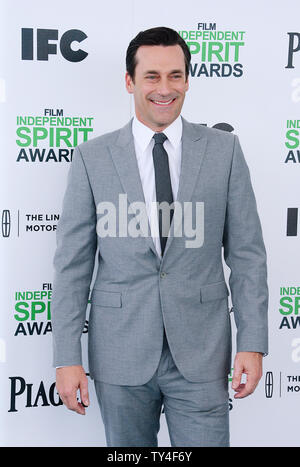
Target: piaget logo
(28, 395)
(215, 53)
(293, 47)
(292, 141)
(289, 307)
(51, 137)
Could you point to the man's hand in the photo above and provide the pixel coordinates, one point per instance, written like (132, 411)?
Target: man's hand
(249, 363)
(68, 380)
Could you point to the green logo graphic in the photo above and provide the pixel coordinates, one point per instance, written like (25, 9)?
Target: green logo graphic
(214, 53)
(51, 137)
(292, 141)
(289, 307)
(33, 312)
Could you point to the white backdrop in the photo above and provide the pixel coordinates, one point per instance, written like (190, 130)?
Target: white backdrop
(257, 103)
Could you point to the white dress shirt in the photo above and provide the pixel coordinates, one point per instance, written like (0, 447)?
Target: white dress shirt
(144, 142)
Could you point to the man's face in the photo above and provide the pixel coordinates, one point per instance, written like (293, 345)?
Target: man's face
(159, 85)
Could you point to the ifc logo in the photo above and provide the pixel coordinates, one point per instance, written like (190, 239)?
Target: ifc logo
(44, 48)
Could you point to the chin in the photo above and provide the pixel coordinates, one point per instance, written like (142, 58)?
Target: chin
(161, 124)
(166, 121)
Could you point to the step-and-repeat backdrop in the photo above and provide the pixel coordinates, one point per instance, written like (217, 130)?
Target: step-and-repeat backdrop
(62, 67)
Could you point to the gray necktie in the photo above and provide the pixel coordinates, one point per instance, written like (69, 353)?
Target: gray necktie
(163, 186)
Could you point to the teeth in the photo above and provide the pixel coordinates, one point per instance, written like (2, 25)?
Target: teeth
(163, 102)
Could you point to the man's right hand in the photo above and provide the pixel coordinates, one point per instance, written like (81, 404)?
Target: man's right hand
(68, 380)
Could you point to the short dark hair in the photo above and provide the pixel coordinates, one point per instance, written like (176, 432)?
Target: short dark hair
(156, 36)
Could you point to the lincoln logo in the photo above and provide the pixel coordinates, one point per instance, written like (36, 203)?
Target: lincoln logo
(269, 384)
(5, 223)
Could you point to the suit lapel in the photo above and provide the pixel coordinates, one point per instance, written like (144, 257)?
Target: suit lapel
(124, 157)
(194, 144)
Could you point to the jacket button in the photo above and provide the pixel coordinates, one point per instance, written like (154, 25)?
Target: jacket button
(163, 274)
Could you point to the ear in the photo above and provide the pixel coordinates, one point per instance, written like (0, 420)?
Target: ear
(187, 84)
(129, 83)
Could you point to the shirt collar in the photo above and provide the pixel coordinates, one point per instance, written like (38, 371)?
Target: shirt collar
(143, 134)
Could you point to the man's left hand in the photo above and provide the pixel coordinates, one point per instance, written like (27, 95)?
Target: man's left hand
(249, 363)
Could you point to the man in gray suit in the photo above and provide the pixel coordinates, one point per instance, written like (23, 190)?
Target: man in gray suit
(159, 323)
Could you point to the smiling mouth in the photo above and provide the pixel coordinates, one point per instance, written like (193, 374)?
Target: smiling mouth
(163, 103)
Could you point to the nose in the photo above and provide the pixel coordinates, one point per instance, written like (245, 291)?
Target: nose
(163, 87)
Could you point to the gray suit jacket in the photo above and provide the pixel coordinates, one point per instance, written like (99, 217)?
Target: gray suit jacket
(135, 293)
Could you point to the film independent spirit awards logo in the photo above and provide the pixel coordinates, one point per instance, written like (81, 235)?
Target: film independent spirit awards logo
(215, 52)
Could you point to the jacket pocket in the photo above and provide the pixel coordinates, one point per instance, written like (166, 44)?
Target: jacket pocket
(106, 298)
(213, 291)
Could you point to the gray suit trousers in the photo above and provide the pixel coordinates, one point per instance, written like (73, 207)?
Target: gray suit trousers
(197, 414)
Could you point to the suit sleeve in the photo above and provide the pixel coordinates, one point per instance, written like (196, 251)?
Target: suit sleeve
(74, 260)
(245, 254)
